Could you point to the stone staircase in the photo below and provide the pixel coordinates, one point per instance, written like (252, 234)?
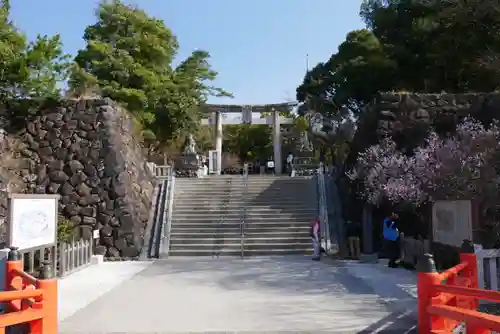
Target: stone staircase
(276, 210)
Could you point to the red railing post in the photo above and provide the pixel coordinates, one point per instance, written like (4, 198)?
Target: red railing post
(468, 255)
(426, 279)
(13, 264)
(49, 322)
(473, 330)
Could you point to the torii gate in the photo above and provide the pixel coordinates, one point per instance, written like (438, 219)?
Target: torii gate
(214, 116)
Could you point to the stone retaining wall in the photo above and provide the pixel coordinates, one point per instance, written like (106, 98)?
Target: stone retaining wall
(407, 117)
(86, 151)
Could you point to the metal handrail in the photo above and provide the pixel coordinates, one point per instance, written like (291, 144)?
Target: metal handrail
(224, 206)
(159, 218)
(243, 210)
(164, 247)
(323, 208)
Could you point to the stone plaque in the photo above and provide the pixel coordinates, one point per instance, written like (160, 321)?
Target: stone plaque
(451, 222)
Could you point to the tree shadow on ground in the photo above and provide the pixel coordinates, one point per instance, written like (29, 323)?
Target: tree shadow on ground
(295, 277)
(283, 274)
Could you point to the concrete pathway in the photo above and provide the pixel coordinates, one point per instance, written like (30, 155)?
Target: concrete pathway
(268, 294)
(78, 290)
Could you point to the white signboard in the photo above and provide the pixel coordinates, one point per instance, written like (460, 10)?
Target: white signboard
(212, 161)
(451, 222)
(32, 220)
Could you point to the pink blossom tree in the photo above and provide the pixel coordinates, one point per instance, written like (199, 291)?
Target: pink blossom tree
(457, 167)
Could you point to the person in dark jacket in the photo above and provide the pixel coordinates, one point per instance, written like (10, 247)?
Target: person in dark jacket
(353, 235)
(391, 239)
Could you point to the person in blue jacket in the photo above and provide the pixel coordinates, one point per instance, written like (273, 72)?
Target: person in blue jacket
(391, 239)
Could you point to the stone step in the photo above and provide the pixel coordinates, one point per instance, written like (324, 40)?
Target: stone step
(277, 210)
(256, 201)
(214, 220)
(193, 201)
(238, 205)
(251, 178)
(213, 190)
(248, 210)
(272, 208)
(218, 245)
(254, 187)
(185, 235)
(257, 225)
(235, 215)
(289, 194)
(220, 240)
(241, 188)
(195, 190)
(241, 191)
(241, 182)
(291, 217)
(235, 229)
(291, 234)
(232, 252)
(240, 214)
(248, 184)
(240, 210)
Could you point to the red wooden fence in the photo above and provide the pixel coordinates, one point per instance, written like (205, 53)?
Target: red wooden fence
(449, 298)
(28, 300)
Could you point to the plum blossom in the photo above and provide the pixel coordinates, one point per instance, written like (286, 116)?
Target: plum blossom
(458, 167)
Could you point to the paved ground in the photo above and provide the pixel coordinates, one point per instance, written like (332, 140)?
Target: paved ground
(78, 290)
(256, 294)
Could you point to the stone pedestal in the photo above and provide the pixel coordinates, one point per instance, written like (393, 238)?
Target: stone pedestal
(188, 165)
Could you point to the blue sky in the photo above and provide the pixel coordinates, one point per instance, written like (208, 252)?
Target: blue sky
(258, 47)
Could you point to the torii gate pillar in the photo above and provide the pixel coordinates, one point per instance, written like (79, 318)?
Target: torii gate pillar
(277, 142)
(246, 111)
(218, 142)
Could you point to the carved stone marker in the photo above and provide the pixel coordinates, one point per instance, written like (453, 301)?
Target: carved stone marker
(451, 222)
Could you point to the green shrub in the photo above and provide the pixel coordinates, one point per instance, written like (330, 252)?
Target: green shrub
(65, 230)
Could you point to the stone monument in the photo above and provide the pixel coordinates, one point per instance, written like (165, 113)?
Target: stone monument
(304, 162)
(190, 161)
(305, 143)
(190, 146)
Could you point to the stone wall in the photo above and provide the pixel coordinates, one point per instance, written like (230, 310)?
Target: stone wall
(11, 175)
(407, 117)
(86, 151)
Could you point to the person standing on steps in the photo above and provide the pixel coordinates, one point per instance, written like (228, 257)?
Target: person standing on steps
(391, 239)
(315, 236)
(289, 164)
(270, 166)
